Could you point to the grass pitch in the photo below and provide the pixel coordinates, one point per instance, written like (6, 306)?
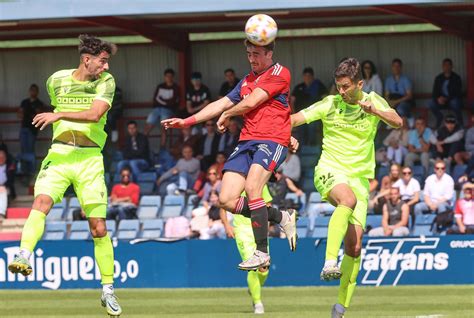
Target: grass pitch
(409, 301)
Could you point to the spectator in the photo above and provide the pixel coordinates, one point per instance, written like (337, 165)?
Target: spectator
(198, 95)
(115, 112)
(409, 188)
(177, 227)
(397, 143)
(230, 138)
(182, 176)
(386, 184)
(7, 174)
(124, 198)
(419, 145)
(208, 145)
(447, 93)
(464, 212)
(394, 217)
(372, 81)
(230, 82)
(291, 167)
(448, 139)
(280, 187)
(438, 192)
(464, 156)
(165, 103)
(206, 222)
(28, 132)
(398, 90)
(468, 175)
(136, 151)
(305, 94)
(187, 138)
(219, 165)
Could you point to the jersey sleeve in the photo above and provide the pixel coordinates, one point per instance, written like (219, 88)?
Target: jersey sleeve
(276, 81)
(379, 102)
(234, 94)
(318, 110)
(105, 89)
(50, 90)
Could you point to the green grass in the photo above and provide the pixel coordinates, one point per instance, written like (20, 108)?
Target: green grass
(411, 301)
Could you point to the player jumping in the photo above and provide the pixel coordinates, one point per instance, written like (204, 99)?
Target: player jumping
(81, 98)
(347, 161)
(262, 98)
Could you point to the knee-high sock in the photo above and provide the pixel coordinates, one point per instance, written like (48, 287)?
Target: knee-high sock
(259, 220)
(242, 207)
(104, 256)
(337, 230)
(255, 281)
(350, 269)
(33, 230)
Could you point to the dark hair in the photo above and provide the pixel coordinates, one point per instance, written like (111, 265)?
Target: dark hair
(169, 71)
(132, 122)
(448, 60)
(349, 67)
(450, 119)
(372, 67)
(308, 70)
(269, 47)
(397, 60)
(222, 153)
(196, 75)
(229, 70)
(34, 86)
(89, 44)
(126, 168)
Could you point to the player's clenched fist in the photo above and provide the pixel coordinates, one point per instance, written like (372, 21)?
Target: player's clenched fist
(367, 106)
(223, 123)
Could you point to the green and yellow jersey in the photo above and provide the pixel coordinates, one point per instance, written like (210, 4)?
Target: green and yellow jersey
(348, 134)
(70, 95)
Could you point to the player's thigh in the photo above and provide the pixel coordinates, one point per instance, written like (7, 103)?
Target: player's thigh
(334, 187)
(233, 184)
(360, 187)
(54, 176)
(353, 240)
(256, 180)
(89, 182)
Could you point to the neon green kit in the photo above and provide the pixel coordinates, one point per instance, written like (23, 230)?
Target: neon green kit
(80, 166)
(348, 154)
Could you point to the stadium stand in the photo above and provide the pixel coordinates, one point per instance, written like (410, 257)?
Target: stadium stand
(128, 229)
(55, 231)
(172, 206)
(152, 228)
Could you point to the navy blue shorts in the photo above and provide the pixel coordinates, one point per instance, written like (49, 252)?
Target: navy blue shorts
(268, 154)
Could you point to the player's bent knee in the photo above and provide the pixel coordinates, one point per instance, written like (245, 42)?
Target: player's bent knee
(98, 227)
(354, 250)
(350, 201)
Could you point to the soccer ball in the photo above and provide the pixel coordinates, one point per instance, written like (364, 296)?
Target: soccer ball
(261, 29)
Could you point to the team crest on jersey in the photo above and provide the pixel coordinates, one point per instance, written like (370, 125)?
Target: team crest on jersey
(66, 89)
(89, 88)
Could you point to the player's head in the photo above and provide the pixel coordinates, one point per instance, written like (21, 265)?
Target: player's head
(125, 175)
(95, 54)
(348, 79)
(229, 75)
(34, 90)
(169, 76)
(397, 66)
(132, 128)
(260, 57)
(308, 75)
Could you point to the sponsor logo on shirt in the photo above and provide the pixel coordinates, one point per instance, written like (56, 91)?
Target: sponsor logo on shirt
(359, 126)
(75, 100)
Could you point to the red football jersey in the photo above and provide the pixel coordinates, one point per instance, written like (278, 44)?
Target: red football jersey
(271, 119)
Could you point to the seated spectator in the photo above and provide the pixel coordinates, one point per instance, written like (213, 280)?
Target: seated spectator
(398, 90)
(419, 145)
(213, 184)
(230, 82)
(29, 108)
(464, 156)
(230, 138)
(177, 227)
(198, 95)
(219, 165)
(113, 115)
(386, 184)
(306, 93)
(165, 104)
(208, 145)
(280, 187)
(448, 139)
(187, 138)
(438, 192)
(372, 81)
(136, 151)
(124, 198)
(206, 222)
(464, 212)
(180, 178)
(409, 190)
(7, 173)
(447, 93)
(468, 175)
(394, 217)
(291, 167)
(397, 143)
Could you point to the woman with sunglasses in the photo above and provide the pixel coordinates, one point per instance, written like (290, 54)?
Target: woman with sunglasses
(409, 189)
(372, 81)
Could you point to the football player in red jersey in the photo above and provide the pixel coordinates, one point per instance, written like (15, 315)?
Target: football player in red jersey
(261, 98)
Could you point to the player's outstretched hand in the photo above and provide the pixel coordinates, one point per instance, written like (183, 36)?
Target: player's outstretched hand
(44, 119)
(294, 145)
(173, 123)
(223, 123)
(368, 107)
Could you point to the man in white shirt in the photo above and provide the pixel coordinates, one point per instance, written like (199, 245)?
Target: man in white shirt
(438, 192)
